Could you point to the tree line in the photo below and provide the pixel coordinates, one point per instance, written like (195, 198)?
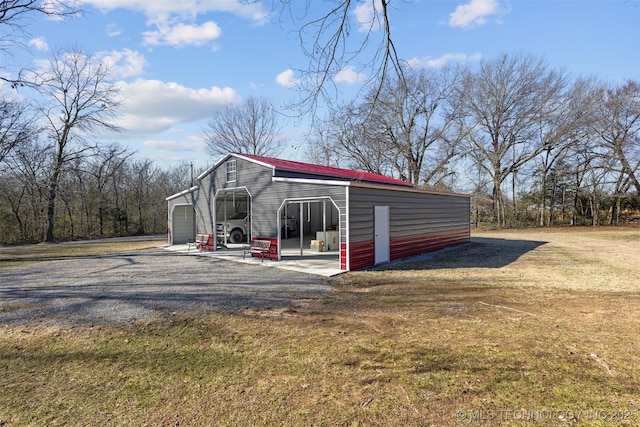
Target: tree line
(532, 144)
(104, 194)
(57, 181)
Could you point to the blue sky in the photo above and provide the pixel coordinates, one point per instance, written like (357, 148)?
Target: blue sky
(178, 61)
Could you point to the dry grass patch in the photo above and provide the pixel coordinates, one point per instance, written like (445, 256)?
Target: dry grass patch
(460, 338)
(11, 256)
(590, 259)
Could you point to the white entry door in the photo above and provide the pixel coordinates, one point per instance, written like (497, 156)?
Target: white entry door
(381, 230)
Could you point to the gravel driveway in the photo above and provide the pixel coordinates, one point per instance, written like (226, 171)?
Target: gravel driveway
(132, 287)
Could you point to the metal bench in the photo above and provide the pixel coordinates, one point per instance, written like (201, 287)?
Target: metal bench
(259, 248)
(203, 241)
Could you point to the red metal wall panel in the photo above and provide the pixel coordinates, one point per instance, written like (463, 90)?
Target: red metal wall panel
(343, 256)
(403, 247)
(361, 255)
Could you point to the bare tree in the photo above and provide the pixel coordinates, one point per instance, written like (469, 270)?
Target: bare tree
(103, 169)
(16, 126)
(618, 127)
(342, 140)
(250, 128)
(80, 102)
(14, 20)
(563, 123)
(502, 103)
(410, 129)
(25, 187)
(416, 120)
(147, 189)
(338, 36)
(479, 184)
(13, 13)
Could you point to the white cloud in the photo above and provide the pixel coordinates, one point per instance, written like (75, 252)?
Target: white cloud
(125, 63)
(9, 93)
(113, 30)
(349, 75)
(54, 8)
(446, 59)
(182, 34)
(366, 15)
(39, 43)
(152, 106)
(474, 13)
(159, 9)
(191, 144)
(287, 79)
(173, 22)
(413, 62)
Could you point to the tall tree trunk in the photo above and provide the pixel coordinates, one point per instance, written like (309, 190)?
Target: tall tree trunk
(543, 192)
(497, 203)
(630, 173)
(574, 215)
(51, 202)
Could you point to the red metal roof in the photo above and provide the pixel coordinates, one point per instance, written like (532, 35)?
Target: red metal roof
(325, 171)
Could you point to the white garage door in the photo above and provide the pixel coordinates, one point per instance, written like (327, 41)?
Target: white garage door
(183, 224)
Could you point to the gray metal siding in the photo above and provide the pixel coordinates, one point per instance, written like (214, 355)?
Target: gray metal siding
(266, 196)
(410, 213)
(280, 191)
(255, 178)
(204, 215)
(266, 204)
(419, 221)
(217, 181)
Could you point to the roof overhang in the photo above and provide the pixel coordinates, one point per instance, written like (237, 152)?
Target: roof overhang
(406, 187)
(239, 156)
(327, 182)
(182, 193)
(360, 184)
(212, 168)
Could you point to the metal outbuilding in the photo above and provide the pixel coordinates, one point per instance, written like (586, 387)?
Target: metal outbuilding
(362, 218)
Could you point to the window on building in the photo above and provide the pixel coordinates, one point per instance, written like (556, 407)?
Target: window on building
(231, 171)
